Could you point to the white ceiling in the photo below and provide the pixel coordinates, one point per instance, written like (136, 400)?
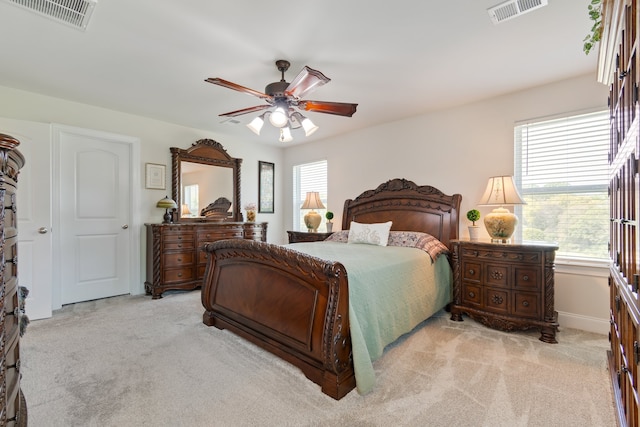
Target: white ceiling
(395, 59)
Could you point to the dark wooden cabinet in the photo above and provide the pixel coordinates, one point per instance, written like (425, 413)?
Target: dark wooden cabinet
(12, 402)
(305, 236)
(618, 67)
(505, 286)
(174, 258)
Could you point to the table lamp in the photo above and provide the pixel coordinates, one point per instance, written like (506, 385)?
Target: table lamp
(167, 204)
(312, 219)
(501, 223)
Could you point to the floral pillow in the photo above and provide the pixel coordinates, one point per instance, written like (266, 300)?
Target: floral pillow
(369, 234)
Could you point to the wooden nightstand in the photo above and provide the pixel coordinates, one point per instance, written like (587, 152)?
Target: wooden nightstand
(305, 236)
(505, 286)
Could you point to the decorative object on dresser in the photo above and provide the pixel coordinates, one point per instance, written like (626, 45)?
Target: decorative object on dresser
(501, 223)
(251, 211)
(13, 406)
(167, 204)
(618, 66)
(312, 218)
(505, 286)
(303, 236)
(297, 305)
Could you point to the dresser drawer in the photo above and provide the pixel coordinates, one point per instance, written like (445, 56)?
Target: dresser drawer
(178, 236)
(178, 259)
(179, 245)
(178, 275)
(208, 236)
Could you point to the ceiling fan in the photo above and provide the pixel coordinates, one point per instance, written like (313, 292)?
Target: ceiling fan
(283, 97)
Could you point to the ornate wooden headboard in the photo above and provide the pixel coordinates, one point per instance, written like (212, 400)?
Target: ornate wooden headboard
(409, 206)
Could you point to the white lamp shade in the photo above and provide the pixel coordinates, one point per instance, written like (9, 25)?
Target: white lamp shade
(285, 135)
(501, 191)
(256, 125)
(312, 201)
(308, 126)
(279, 117)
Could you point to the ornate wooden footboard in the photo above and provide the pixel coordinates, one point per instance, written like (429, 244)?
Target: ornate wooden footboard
(297, 306)
(293, 305)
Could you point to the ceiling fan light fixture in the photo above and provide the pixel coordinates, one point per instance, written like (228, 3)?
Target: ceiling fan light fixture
(256, 124)
(308, 126)
(285, 134)
(279, 117)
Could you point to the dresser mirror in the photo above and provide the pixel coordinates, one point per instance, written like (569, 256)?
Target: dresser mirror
(201, 175)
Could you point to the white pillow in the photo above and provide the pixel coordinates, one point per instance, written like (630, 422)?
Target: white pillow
(369, 234)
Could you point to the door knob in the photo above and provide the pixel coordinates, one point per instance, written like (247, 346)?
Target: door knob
(124, 227)
(43, 230)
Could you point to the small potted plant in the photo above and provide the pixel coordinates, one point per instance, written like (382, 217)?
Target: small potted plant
(329, 216)
(473, 215)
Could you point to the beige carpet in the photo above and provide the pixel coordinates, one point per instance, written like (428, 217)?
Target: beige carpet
(132, 361)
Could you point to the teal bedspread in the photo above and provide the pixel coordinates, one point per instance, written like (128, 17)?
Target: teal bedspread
(391, 290)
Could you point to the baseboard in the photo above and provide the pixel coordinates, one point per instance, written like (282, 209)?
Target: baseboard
(584, 323)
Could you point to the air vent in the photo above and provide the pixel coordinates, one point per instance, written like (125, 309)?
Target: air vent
(75, 13)
(513, 8)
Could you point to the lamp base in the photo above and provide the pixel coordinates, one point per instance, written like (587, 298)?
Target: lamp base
(312, 221)
(500, 225)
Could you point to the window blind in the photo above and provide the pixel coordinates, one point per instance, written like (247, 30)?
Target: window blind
(561, 169)
(308, 177)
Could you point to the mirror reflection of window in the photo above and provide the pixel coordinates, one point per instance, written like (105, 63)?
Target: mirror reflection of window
(190, 206)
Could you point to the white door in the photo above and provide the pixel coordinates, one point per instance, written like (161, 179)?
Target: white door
(34, 213)
(95, 232)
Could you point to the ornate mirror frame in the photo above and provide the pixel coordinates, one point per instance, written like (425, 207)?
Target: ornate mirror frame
(206, 152)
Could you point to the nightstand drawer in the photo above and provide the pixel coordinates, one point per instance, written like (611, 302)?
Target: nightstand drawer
(471, 294)
(471, 271)
(526, 278)
(497, 275)
(526, 304)
(497, 300)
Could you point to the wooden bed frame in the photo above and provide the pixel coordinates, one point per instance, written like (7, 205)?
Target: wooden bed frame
(295, 305)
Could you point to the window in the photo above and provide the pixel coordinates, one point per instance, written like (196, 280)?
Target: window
(561, 168)
(308, 177)
(190, 200)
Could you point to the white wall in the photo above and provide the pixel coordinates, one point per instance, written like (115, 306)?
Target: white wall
(457, 150)
(156, 138)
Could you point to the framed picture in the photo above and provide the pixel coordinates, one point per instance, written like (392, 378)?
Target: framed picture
(155, 176)
(265, 186)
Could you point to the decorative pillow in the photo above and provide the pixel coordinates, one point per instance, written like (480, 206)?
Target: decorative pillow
(369, 234)
(341, 236)
(415, 239)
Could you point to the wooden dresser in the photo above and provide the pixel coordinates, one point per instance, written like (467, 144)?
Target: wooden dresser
(12, 401)
(174, 258)
(619, 68)
(505, 286)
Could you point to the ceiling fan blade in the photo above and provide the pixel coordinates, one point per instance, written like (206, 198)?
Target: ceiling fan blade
(306, 81)
(234, 86)
(337, 108)
(245, 111)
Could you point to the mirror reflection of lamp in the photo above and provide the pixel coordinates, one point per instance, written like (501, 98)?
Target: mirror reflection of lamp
(312, 219)
(185, 211)
(501, 223)
(167, 204)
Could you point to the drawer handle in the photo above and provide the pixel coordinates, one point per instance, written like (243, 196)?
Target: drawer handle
(472, 271)
(179, 245)
(472, 294)
(497, 299)
(525, 278)
(179, 259)
(495, 274)
(525, 303)
(179, 237)
(179, 274)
